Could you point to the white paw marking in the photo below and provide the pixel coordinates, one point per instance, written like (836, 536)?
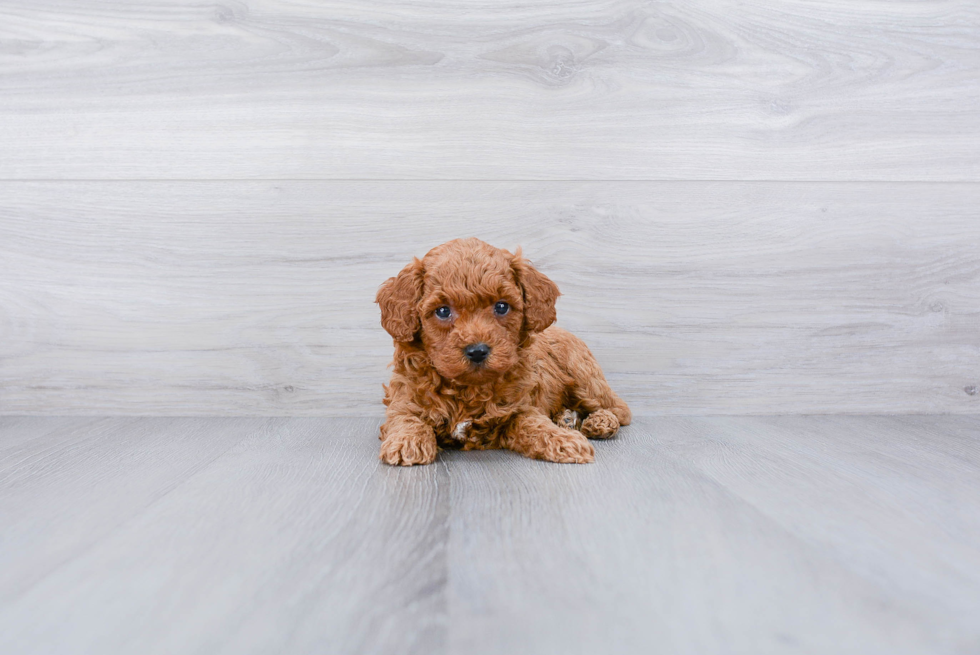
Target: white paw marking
(459, 432)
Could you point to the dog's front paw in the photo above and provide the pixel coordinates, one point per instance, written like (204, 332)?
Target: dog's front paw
(568, 447)
(408, 449)
(600, 424)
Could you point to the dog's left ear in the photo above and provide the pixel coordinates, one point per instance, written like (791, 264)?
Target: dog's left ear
(540, 294)
(399, 299)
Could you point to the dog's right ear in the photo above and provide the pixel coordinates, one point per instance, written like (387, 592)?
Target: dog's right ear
(540, 294)
(399, 299)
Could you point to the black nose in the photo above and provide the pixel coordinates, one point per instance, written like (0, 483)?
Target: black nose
(477, 352)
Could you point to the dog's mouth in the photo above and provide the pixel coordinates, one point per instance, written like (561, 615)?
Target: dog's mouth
(471, 373)
(478, 373)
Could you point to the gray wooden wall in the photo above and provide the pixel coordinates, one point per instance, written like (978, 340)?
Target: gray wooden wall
(754, 207)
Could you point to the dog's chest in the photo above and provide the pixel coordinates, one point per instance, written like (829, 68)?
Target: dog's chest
(475, 423)
(476, 417)
(460, 430)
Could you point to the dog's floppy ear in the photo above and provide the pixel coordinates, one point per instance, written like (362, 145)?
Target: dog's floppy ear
(399, 299)
(540, 294)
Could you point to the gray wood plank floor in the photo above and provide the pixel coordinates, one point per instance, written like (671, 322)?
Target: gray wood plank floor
(811, 534)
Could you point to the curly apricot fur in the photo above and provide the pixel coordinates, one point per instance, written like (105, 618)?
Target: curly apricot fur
(534, 372)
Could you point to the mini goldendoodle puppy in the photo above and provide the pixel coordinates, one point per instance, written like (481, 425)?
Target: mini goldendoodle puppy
(477, 366)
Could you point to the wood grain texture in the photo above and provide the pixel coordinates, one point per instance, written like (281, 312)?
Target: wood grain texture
(296, 539)
(77, 482)
(688, 535)
(722, 535)
(256, 298)
(604, 89)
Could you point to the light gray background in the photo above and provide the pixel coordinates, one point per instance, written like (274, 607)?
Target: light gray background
(758, 207)
(768, 207)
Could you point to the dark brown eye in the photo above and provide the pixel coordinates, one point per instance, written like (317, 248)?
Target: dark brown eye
(443, 312)
(501, 308)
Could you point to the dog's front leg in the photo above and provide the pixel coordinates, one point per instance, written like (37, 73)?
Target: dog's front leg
(535, 435)
(406, 439)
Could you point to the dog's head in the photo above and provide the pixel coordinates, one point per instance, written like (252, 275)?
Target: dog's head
(470, 305)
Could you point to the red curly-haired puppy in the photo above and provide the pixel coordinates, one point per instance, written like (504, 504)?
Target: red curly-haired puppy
(477, 365)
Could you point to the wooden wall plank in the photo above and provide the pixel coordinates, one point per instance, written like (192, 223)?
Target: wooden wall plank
(256, 298)
(603, 89)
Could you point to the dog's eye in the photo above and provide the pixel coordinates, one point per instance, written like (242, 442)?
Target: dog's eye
(444, 312)
(501, 308)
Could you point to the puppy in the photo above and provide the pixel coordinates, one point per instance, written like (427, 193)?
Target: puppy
(477, 366)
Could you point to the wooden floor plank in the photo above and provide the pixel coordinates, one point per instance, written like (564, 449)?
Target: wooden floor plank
(605, 89)
(296, 540)
(842, 534)
(653, 549)
(876, 495)
(20, 431)
(62, 493)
